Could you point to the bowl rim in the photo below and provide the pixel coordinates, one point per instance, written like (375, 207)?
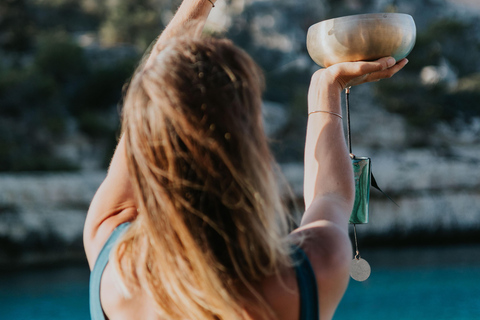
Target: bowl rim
(365, 16)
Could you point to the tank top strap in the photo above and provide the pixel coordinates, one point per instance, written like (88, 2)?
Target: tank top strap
(307, 286)
(96, 311)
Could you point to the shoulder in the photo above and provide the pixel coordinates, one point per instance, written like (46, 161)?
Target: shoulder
(112, 205)
(103, 216)
(329, 250)
(326, 245)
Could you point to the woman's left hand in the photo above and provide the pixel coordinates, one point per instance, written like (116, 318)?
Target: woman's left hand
(348, 74)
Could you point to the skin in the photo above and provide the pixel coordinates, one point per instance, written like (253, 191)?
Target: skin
(328, 184)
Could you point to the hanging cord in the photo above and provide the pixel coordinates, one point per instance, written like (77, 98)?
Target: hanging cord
(357, 252)
(349, 143)
(347, 105)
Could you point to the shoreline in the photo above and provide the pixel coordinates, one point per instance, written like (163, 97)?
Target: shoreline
(381, 254)
(42, 214)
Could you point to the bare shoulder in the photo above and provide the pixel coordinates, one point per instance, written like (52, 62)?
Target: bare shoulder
(324, 231)
(329, 250)
(107, 211)
(327, 245)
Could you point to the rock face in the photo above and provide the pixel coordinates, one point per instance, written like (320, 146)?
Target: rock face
(42, 216)
(438, 197)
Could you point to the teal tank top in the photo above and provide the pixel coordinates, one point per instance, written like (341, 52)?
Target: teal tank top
(307, 284)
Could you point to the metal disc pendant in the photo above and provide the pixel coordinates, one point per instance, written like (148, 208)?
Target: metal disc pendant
(360, 269)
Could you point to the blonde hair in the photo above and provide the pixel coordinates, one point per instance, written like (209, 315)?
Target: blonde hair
(211, 224)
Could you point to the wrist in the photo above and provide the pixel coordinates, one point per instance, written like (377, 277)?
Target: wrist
(334, 78)
(326, 98)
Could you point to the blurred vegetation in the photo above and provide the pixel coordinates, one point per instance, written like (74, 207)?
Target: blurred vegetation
(63, 64)
(52, 87)
(424, 105)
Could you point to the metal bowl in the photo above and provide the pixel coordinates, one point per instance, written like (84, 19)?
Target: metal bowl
(361, 37)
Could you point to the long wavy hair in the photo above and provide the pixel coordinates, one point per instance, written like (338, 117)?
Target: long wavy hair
(211, 224)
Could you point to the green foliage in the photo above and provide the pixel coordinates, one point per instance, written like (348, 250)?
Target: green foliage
(57, 56)
(445, 38)
(102, 89)
(292, 146)
(38, 99)
(280, 86)
(132, 21)
(24, 90)
(16, 25)
(423, 106)
(52, 85)
(67, 15)
(31, 118)
(94, 125)
(28, 147)
(420, 106)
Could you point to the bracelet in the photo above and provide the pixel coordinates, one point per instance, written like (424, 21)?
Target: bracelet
(213, 4)
(332, 113)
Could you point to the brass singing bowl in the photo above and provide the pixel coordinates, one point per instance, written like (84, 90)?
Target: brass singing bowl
(363, 37)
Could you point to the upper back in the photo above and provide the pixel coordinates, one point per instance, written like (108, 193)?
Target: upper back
(287, 294)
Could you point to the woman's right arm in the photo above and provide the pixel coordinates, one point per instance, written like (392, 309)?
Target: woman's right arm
(329, 190)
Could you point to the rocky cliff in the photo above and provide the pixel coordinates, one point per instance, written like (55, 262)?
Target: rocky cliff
(438, 197)
(42, 217)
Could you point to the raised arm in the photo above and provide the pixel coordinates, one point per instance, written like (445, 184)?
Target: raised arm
(114, 202)
(328, 183)
(328, 177)
(189, 10)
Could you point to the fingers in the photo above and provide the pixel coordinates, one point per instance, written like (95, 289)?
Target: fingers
(384, 69)
(353, 73)
(361, 68)
(386, 73)
(389, 72)
(364, 68)
(349, 74)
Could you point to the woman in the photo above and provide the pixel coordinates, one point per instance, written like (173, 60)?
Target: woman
(189, 221)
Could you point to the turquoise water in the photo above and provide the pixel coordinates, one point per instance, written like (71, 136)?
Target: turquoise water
(443, 293)
(60, 293)
(425, 288)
